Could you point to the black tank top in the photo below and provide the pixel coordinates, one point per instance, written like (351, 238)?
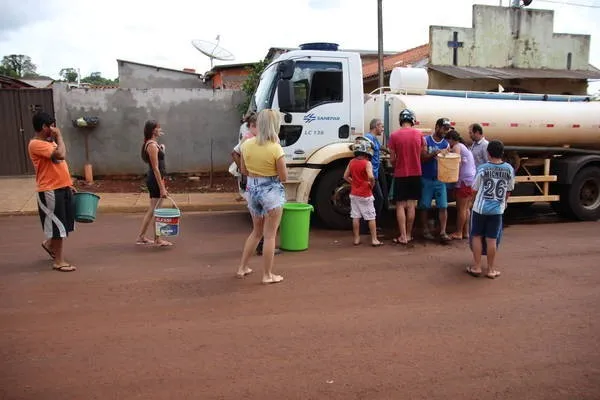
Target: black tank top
(161, 161)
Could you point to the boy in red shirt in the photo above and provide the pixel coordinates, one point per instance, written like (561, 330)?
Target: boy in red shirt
(359, 173)
(405, 151)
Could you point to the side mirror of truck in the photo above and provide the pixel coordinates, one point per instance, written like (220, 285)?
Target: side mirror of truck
(286, 69)
(285, 95)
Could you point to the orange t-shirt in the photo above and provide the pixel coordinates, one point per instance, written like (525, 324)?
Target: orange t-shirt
(48, 174)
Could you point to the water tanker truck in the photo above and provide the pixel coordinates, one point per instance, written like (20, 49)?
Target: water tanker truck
(552, 141)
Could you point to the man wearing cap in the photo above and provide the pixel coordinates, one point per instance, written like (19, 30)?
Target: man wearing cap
(431, 187)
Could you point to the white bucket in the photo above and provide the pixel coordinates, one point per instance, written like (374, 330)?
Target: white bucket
(448, 167)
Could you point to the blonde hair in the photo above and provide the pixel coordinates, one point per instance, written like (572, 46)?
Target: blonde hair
(268, 122)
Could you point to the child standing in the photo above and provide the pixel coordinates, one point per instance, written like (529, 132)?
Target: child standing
(493, 182)
(359, 173)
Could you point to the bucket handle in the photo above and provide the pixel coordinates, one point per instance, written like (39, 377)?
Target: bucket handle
(168, 197)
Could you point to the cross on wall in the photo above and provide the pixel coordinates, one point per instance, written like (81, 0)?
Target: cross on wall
(454, 44)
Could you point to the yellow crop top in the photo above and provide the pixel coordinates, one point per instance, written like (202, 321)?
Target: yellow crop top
(261, 160)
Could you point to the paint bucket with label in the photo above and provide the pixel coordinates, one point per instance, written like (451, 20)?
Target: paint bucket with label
(166, 220)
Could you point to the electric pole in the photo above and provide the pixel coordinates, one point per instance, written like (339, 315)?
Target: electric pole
(380, 43)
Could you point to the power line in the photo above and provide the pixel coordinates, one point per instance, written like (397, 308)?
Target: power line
(567, 3)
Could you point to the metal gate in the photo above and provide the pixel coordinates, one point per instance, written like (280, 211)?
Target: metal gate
(17, 106)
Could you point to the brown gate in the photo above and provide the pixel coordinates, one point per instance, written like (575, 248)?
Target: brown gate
(17, 106)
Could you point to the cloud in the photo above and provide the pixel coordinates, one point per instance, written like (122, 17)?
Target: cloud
(93, 35)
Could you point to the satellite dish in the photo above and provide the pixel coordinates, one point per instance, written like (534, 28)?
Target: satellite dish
(213, 50)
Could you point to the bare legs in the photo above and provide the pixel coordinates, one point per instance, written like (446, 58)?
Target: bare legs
(146, 223)
(356, 230)
(405, 215)
(477, 246)
(56, 248)
(372, 231)
(443, 215)
(462, 215)
(262, 227)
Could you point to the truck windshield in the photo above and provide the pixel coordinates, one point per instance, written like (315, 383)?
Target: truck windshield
(263, 97)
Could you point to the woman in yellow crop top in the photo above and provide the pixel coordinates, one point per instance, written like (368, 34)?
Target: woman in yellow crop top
(263, 162)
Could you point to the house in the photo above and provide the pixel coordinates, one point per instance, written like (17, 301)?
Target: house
(415, 57)
(40, 82)
(6, 82)
(513, 47)
(134, 75)
(231, 76)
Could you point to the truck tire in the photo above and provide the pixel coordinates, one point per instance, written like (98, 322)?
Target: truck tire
(582, 199)
(332, 201)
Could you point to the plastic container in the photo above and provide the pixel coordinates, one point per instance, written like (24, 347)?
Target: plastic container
(448, 167)
(295, 226)
(86, 205)
(166, 220)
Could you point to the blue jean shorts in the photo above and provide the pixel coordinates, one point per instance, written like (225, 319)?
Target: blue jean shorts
(264, 194)
(433, 189)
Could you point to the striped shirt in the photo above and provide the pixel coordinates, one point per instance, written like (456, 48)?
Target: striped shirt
(492, 183)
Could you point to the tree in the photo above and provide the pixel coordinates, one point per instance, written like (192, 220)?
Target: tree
(251, 82)
(96, 78)
(18, 66)
(69, 74)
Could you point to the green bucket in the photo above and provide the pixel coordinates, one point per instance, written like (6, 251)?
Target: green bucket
(295, 226)
(86, 205)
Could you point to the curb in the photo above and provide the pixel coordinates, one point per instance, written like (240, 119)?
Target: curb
(113, 209)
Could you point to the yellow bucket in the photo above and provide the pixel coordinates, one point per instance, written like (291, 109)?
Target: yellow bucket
(448, 166)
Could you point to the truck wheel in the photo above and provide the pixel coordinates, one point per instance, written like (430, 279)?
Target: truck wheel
(332, 199)
(583, 197)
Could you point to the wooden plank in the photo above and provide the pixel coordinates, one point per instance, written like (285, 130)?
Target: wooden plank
(533, 199)
(536, 178)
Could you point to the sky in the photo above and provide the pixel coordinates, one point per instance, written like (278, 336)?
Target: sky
(92, 35)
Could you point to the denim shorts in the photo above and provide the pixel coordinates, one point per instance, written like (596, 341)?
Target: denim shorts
(430, 189)
(264, 194)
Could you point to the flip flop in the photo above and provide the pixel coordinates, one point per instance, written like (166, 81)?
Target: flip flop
(64, 268)
(247, 271)
(474, 274)
(163, 243)
(494, 275)
(377, 244)
(50, 253)
(144, 241)
(398, 241)
(273, 279)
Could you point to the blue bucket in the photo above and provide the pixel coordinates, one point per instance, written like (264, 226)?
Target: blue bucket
(166, 221)
(86, 205)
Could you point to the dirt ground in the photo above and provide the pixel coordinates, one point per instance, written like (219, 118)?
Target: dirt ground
(347, 322)
(175, 184)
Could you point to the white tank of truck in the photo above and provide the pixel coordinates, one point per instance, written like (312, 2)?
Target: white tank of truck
(516, 119)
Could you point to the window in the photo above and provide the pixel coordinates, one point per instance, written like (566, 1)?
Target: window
(263, 96)
(316, 83)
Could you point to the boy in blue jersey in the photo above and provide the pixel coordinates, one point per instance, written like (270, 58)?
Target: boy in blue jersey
(494, 181)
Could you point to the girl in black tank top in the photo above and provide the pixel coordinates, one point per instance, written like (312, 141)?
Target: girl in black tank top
(154, 155)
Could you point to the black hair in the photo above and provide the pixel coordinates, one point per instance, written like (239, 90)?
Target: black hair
(454, 135)
(148, 133)
(40, 119)
(250, 119)
(477, 128)
(495, 149)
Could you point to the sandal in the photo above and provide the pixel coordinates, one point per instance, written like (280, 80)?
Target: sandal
(247, 271)
(273, 279)
(143, 241)
(64, 268)
(398, 241)
(428, 236)
(50, 252)
(474, 274)
(493, 275)
(444, 237)
(377, 244)
(163, 243)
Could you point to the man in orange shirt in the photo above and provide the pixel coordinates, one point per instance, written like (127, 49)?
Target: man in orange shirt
(54, 187)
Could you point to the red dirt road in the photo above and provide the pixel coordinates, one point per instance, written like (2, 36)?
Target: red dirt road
(347, 323)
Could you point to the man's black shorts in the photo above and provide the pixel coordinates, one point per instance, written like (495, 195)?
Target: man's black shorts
(407, 188)
(57, 212)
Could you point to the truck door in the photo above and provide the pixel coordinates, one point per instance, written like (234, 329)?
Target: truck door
(320, 113)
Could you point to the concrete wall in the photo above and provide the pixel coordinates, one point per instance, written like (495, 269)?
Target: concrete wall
(438, 80)
(191, 117)
(140, 76)
(510, 37)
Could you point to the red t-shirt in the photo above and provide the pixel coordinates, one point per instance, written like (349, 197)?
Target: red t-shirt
(360, 180)
(406, 143)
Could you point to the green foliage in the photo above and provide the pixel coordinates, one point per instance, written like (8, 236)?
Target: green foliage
(69, 74)
(251, 82)
(18, 66)
(96, 78)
